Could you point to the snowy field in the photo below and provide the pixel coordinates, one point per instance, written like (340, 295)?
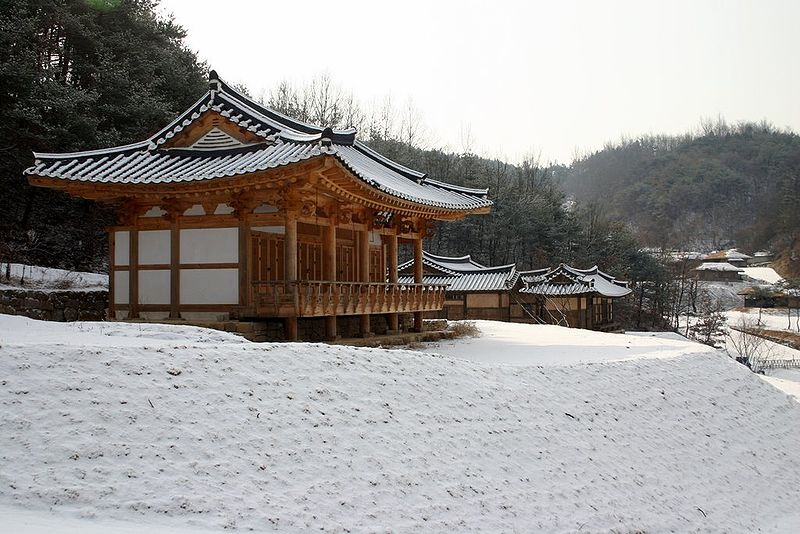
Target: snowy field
(45, 278)
(547, 345)
(771, 319)
(120, 428)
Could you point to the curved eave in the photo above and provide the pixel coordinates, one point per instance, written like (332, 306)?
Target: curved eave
(370, 195)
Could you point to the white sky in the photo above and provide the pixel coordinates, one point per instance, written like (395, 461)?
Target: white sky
(548, 77)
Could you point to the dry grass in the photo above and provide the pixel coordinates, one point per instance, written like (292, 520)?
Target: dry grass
(464, 329)
(434, 325)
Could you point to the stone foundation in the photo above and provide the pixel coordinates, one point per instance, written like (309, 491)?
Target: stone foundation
(55, 305)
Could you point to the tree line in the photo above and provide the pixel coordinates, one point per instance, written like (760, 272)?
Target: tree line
(719, 186)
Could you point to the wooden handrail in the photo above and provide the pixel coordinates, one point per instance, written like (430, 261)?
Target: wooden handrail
(317, 298)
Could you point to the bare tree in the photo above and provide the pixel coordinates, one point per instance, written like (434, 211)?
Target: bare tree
(749, 345)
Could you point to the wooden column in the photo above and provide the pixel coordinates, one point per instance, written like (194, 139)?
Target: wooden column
(290, 268)
(391, 241)
(112, 313)
(329, 268)
(418, 278)
(244, 263)
(363, 271)
(175, 265)
(133, 274)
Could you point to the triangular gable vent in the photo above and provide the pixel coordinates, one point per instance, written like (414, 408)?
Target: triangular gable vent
(216, 139)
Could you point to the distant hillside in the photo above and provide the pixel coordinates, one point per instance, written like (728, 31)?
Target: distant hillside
(728, 185)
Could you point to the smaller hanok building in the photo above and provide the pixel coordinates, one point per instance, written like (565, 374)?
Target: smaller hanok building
(473, 290)
(717, 271)
(732, 256)
(234, 211)
(566, 296)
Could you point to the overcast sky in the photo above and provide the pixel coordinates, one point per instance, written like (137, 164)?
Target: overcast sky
(552, 77)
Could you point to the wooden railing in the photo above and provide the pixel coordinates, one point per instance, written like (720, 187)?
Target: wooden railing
(319, 298)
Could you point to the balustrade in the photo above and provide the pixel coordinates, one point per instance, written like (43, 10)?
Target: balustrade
(320, 298)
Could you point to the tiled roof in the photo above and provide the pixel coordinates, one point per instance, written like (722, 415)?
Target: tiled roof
(462, 274)
(565, 281)
(729, 255)
(284, 141)
(718, 266)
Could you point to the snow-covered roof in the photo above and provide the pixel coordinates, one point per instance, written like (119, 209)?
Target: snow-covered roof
(726, 255)
(718, 266)
(461, 274)
(565, 280)
(278, 141)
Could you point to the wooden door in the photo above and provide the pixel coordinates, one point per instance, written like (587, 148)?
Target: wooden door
(376, 270)
(345, 263)
(309, 261)
(267, 257)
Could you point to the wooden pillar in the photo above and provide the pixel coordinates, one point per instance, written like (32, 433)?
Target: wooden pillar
(174, 266)
(363, 271)
(418, 278)
(245, 268)
(112, 313)
(290, 268)
(391, 240)
(133, 274)
(329, 267)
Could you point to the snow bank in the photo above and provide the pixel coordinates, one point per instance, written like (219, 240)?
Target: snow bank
(44, 278)
(218, 433)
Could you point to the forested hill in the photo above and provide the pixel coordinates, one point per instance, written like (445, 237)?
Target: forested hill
(727, 185)
(78, 75)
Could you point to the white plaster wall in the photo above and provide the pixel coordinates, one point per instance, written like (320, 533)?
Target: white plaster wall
(210, 245)
(197, 209)
(270, 229)
(155, 211)
(375, 238)
(121, 287)
(154, 287)
(265, 208)
(210, 286)
(223, 209)
(122, 247)
(154, 247)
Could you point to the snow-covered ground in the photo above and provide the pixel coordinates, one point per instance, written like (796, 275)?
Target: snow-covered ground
(769, 318)
(45, 278)
(522, 344)
(113, 428)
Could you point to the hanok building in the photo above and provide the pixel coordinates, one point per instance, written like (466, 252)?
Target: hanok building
(474, 291)
(718, 271)
(580, 298)
(732, 256)
(238, 211)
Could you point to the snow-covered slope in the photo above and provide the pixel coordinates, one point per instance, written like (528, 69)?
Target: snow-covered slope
(46, 278)
(138, 423)
(763, 274)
